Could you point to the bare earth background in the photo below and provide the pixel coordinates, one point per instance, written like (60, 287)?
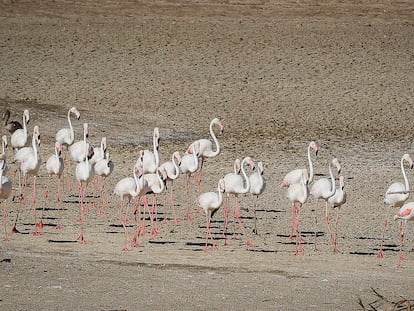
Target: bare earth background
(278, 74)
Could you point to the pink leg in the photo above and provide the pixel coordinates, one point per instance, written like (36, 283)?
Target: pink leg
(401, 252)
(237, 214)
(6, 238)
(37, 225)
(384, 229)
(299, 248)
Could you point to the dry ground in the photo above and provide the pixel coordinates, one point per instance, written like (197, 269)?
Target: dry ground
(278, 74)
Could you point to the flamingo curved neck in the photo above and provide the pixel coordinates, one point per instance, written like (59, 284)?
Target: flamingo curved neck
(24, 124)
(195, 158)
(407, 184)
(176, 168)
(310, 164)
(332, 180)
(155, 148)
(246, 178)
(34, 146)
(216, 142)
(72, 133)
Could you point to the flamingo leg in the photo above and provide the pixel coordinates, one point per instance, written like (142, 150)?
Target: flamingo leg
(37, 225)
(237, 214)
(384, 229)
(176, 222)
(299, 248)
(6, 238)
(401, 252)
(328, 225)
(294, 220)
(58, 199)
(256, 197)
(125, 248)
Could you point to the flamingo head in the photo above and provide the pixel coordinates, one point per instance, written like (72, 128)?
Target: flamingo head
(342, 182)
(260, 167)
(176, 154)
(138, 168)
(76, 112)
(314, 147)
(26, 115)
(219, 124)
(4, 140)
(335, 162)
(58, 148)
(140, 159)
(86, 129)
(221, 185)
(36, 134)
(104, 145)
(408, 158)
(251, 163)
(305, 176)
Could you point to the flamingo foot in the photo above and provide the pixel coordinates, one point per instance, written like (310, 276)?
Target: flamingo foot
(81, 239)
(125, 249)
(215, 247)
(249, 244)
(206, 249)
(14, 230)
(36, 233)
(6, 240)
(188, 217)
(380, 255)
(155, 231)
(59, 227)
(39, 224)
(176, 222)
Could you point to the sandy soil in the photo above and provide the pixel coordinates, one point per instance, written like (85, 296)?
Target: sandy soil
(278, 74)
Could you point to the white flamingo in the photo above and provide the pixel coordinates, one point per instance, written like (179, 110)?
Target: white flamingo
(77, 149)
(210, 202)
(84, 174)
(21, 138)
(54, 167)
(323, 189)
(238, 184)
(103, 168)
(294, 176)
(127, 189)
(189, 165)
(336, 201)
(99, 152)
(151, 159)
(257, 186)
(396, 195)
(10, 126)
(298, 194)
(172, 170)
(206, 147)
(405, 214)
(66, 136)
(5, 191)
(29, 160)
(3, 155)
(154, 184)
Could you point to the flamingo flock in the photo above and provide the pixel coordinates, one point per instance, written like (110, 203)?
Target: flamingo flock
(150, 177)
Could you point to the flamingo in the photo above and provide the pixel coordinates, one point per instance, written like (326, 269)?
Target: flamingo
(103, 168)
(210, 202)
(5, 191)
(99, 152)
(236, 184)
(55, 166)
(77, 149)
(30, 161)
(21, 138)
(405, 214)
(173, 172)
(3, 152)
(189, 164)
(337, 200)
(84, 174)
(127, 189)
(10, 126)
(323, 189)
(66, 136)
(151, 159)
(257, 186)
(206, 147)
(298, 194)
(294, 176)
(154, 183)
(396, 196)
